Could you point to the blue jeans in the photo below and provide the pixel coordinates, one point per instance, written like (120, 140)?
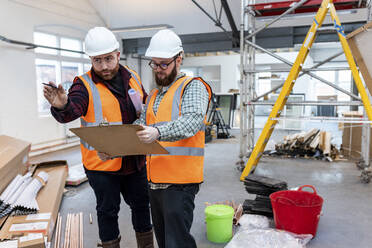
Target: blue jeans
(107, 188)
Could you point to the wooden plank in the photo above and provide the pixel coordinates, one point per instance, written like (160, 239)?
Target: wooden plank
(327, 143)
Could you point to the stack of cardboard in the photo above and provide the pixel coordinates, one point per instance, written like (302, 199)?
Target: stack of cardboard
(352, 136)
(359, 41)
(30, 230)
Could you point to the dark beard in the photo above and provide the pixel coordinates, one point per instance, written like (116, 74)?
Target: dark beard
(110, 76)
(167, 80)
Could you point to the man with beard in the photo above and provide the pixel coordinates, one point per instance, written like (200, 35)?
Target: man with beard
(101, 96)
(174, 114)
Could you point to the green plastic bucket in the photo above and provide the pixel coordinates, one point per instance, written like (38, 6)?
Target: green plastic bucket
(219, 220)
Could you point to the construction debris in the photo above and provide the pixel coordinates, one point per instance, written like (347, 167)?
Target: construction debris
(76, 175)
(314, 143)
(262, 187)
(57, 236)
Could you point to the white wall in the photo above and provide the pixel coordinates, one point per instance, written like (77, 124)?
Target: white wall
(228, 64)
(18, 101)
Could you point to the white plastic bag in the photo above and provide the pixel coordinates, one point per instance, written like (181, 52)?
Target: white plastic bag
(253, 221)
(268, 238)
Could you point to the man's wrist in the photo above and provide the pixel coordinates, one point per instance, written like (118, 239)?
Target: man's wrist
(159, 134)
(63, 108)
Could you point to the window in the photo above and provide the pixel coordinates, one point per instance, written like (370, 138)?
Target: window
(46, 70)
(45, 40)
(60, 67)
(71, 44)
(86, 67)
(68, 72)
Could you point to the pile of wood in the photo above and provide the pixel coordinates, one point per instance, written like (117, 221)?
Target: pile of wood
(314, 143)
(262, 187)
(74, 233)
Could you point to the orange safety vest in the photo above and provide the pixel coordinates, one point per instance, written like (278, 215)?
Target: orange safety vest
(103, 108)
(184, 163)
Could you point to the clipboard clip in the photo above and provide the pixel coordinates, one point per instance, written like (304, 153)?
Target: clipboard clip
(104, 123)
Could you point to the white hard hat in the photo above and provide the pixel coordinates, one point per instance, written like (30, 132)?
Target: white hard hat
(164, 44)
(100, 40)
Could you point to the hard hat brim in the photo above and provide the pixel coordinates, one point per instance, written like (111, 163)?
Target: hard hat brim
(163, 55)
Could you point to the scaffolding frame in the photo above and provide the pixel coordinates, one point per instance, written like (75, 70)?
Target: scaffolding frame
(248, 96)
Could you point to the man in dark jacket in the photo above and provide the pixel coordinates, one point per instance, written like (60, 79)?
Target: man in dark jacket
(101, 95)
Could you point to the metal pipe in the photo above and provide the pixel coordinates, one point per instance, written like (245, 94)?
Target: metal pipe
(366, 139)
(315, 67)
(276, 19)
(323, 119)
(327, 60)
(242, 75)
(308, 69)
(218, 24)
(251, 89)
(310, 103)
(33, 46)
(268, 92)
(309, 73)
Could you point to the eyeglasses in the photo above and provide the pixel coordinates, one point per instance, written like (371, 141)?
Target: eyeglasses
(107, 60)
(163, 66)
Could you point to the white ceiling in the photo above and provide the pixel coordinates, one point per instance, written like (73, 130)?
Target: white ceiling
(185, 16)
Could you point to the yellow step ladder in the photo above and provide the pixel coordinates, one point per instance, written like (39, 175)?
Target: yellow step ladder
(327, 5)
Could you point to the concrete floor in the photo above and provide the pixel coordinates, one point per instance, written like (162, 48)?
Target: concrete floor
(346, 219)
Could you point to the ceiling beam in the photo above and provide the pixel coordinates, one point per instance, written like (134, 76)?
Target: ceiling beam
(271, 38)
(230, 18)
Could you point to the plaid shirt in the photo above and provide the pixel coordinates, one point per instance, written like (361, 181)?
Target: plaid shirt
(193, 109)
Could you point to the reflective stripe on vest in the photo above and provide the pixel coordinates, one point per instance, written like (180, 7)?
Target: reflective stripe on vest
(98, 113)
(134, 76)
(176, 102)
(182, 151)
(184, 163)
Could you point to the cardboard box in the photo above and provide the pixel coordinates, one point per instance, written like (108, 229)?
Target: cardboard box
(352, 137)
(32, 241)
(49, 200)
(359, 41)
(49, 197)
(13, 159)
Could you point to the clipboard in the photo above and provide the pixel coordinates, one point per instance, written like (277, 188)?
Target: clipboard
(117, 140)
